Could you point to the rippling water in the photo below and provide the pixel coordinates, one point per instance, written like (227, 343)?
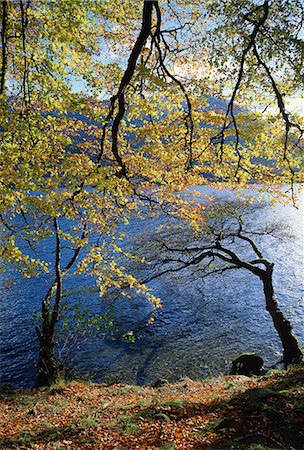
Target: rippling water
(200, 328)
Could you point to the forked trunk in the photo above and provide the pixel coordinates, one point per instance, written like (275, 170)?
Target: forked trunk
(293, 354)
(47, 368)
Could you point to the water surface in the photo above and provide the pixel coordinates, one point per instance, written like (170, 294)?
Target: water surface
(201, 327)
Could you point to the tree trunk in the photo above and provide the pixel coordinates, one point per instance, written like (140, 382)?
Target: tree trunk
(47, 368)
(292, 352)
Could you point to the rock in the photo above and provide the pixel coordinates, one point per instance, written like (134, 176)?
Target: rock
(161, 382)
(247, 364)
(6, 389)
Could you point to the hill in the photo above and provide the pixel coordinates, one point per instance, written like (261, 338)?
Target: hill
(223, 413)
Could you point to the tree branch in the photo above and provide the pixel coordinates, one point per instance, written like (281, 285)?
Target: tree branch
(125, 81)
(24, 24)
(230, 108)
(253, 245)
(58, 275)
(189, 119)
(4, 45)
(49, 320)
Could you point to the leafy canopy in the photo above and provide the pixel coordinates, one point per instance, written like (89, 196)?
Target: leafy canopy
(111, 107)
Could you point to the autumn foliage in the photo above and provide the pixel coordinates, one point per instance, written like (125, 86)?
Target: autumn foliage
(107, 110)
(224, 413)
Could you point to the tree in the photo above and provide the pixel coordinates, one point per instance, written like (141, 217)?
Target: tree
(225, 239)
(72, 161)
(53, 187)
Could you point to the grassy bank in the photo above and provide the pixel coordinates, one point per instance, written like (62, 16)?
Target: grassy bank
(222, 413)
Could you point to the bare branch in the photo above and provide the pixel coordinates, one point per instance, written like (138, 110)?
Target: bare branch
(253, 245)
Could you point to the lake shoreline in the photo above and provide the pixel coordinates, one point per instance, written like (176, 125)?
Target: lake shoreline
(223, 412)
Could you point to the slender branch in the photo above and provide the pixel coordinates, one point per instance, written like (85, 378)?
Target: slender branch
(76, 252)
(5, 223)
(250, 45)
(58, 275)
(280, 102)
(24, 23)
(189, 118)
(192, 262)
(4, 45)
(47, 320)
(253, 245)
(213, 251)
(277, 44)
(230, 107)
(288, 123)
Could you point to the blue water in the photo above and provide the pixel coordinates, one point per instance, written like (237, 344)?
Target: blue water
(202, 325)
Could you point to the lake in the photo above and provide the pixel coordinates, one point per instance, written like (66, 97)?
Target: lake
(200, 328)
